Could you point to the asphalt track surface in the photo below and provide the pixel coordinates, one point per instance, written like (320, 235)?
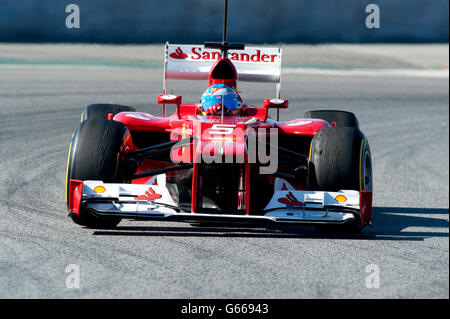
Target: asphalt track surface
(406, 119)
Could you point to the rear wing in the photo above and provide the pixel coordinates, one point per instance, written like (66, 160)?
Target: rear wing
(194, 62)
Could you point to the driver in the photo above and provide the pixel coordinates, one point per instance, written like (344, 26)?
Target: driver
(218, 97)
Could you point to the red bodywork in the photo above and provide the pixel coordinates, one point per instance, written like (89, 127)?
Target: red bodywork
(211, 133)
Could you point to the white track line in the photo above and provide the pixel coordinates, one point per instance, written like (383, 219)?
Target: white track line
(418, 73)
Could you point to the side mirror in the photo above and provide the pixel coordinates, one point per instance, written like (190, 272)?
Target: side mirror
(169, 99)
(276, 103)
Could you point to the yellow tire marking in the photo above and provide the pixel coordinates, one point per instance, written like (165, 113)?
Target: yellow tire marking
(67, 168)
(310, 147)
(360, 166)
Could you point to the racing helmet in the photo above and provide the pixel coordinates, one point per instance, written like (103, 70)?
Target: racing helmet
(219, 94)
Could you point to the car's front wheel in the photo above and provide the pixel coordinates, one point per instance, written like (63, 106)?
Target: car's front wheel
(340, 159)
(94, 154)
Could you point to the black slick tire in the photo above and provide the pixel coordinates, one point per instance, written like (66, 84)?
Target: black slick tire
(340, 159)
(94, 155)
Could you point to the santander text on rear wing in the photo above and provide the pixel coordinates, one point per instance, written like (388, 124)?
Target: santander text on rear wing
(193, 62)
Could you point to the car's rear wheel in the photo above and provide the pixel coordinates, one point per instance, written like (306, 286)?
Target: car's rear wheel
(94, 154)
(340, 159)
(340, 118)
(101, 111)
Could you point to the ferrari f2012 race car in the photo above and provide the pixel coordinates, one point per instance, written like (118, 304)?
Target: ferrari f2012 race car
(219, 159)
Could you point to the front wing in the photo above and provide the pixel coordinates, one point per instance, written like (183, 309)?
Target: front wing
(153, 202)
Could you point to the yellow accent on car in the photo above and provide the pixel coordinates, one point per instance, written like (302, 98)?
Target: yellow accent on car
(340, 198)
(99, 189)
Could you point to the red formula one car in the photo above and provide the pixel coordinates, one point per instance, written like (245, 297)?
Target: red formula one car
(219, 159)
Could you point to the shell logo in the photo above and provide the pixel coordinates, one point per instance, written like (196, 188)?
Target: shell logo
(340, 198)
(99, 189)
